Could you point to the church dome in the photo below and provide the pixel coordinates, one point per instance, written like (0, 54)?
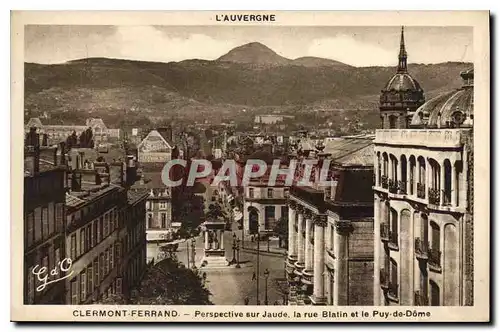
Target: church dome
(401, 95)
(449, 110)
(402, 82)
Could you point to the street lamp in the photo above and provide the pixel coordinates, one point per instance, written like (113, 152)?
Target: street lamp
(233, 261)
(238, 253)
(266, 275)
(193, 253)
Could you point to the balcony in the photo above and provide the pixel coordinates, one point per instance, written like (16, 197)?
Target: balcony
(430, 138)
(384, 279)
(393, 188)
(434, 259)
(384, 181)
(421, 299)
(421, 249)
(446, 197)
(420, 190)
(392, 292)
(384, 232)
(402, 187)
(434, 196)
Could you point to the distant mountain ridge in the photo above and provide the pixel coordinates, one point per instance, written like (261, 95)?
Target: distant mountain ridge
(251, 74)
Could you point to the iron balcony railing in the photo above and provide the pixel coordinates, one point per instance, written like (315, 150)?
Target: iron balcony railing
(384, 181)
(384, 278)
(421, 299)
(420, 190)
(402, 187)
(384, 232)
(434, 196)
(393, 188)
(434, 257)
(393, 290)
(421, 248)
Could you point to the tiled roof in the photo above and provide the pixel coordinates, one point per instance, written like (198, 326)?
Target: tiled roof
(73, 201)
(135, 195)
(350, 151)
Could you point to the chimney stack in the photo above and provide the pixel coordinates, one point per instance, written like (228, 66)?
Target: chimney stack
(131, 175)
(76, 181)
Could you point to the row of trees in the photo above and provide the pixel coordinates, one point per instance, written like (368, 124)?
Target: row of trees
(168, 282)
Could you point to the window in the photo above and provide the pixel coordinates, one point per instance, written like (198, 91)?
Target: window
(101, 267)
(88, 237)
(106, 262)
(93, 241)
(332, 237)
(82, 242)
(96, 272)
(269, 216)
(30, 286)
(30, 229)
(90, 279)
(435, 236)
(99, 231)
(111, 222)
(284, 212)
(74, 291)
(106, 226)
(118, 286)
(83, 286)
(270, 193)
(59, 216)
(163, 220)
(150, 220)
(118, 253)
(38, 224)
(250, 192)
(163, 205)
(111, 258)
(57, 259)
(50, 213)
(45, 223)
(73, 247)
(148, 205)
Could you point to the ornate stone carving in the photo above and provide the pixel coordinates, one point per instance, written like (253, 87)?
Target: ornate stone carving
(320, 220)
(292, 204)
(308, 214)
(300, 209)
(343, 226)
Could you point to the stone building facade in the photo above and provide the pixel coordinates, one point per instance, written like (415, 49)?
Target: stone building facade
(330, 229)
(423, 214)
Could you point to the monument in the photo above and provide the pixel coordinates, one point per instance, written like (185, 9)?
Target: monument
(214, 253)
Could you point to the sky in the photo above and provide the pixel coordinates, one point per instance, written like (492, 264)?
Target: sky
(357, 46)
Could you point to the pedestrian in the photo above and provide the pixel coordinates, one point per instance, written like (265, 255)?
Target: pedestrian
(247, 300)
(254, 277)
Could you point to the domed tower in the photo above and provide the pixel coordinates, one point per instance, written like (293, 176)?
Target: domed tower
(401, 96)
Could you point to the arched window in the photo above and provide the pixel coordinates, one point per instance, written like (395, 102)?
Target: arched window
(435, 293)
(447, 182)
(421, 177)
(411, 184)
(435, 245)
(394, 227)
(402, 185)
(393, 284)
(392, 121)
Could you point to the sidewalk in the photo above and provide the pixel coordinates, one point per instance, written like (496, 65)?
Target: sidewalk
(272, 249)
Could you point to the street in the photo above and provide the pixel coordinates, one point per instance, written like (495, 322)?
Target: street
(230, 286)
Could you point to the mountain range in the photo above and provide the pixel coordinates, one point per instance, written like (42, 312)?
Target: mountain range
(251, 75)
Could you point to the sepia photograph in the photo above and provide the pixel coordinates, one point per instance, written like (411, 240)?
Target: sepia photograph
(232, 162)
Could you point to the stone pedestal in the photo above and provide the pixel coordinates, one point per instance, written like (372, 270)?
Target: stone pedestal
(214, 253)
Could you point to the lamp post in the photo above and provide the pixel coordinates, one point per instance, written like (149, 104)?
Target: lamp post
(266, 275)
(238, 253)
(268, 240)
(233, 261)
(193, 253)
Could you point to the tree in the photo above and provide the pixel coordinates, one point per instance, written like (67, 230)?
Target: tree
(72, 141)
(115, 299)
(171, 283)
(281, 229)
(215, 212)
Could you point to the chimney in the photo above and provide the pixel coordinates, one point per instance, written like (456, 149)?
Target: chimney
(116, 172)
(62, 146)
(76, 181)
(81, 158)
(131, 175)
(55, 156)
(32, 160)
